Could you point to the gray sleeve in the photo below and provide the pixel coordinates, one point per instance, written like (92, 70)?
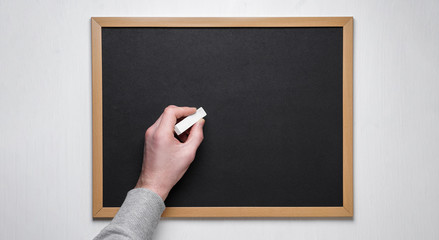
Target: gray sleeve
(137, 217)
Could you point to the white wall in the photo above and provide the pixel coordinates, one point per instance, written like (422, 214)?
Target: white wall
(45, 119)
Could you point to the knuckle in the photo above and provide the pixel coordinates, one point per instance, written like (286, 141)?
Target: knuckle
(170, 107)
(148, 132)
(190, 155)
(169, 110)
(200, 136)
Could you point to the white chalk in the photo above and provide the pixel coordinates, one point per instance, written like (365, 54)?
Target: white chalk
(190, 120)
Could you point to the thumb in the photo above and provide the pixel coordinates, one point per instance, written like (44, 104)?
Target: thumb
(196, 135)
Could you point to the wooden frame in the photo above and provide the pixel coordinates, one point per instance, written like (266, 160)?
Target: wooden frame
(346, 22)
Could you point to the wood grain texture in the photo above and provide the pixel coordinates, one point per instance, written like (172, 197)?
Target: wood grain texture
(223, 22)
(348, 117)
(346, 22)
(236, 212)
(97, 116)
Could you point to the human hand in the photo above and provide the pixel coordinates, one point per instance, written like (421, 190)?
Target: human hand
(166, 159)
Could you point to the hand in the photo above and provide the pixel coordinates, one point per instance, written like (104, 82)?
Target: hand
(166, 159)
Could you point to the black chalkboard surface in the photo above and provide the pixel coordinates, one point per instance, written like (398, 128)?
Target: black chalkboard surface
(273, 134)
(278, 97)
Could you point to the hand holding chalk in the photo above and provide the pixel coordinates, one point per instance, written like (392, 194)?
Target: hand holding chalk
(165, 159)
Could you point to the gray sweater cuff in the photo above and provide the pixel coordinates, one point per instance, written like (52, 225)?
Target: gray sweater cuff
(137, 217)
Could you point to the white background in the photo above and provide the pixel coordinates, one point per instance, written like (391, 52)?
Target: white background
(45, 119)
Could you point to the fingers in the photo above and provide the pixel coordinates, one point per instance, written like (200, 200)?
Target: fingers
(170, 116)
(196, 135)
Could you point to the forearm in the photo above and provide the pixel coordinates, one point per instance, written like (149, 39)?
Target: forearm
(137, 218)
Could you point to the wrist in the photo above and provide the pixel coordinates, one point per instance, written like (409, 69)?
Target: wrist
(163, 193)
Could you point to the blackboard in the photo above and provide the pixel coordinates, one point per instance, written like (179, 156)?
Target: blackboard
(274, 98)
